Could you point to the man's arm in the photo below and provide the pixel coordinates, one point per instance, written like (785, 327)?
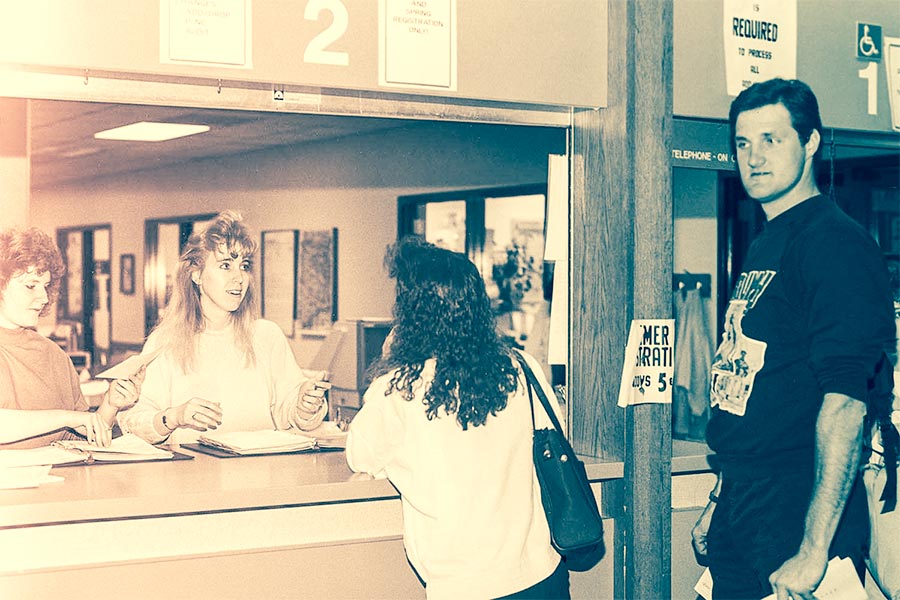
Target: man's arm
(701, 527)
(838, 446)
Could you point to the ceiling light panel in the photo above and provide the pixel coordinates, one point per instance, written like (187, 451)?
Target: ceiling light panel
(148, 131)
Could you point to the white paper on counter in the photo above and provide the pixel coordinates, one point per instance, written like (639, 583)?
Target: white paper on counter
(649, 366)
(33, 457)
(17, 478)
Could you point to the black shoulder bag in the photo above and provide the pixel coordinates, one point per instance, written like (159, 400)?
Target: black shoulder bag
(576, 529)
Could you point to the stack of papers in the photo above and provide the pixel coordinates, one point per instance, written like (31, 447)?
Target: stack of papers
(270, 441)
(30, 467)
(35, 457)
(265, 441)
(16, 478)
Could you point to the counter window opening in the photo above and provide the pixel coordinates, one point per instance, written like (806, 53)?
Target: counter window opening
(503, 232)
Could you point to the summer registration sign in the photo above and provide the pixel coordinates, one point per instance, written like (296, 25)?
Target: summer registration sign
(760, 41)
(649, 368)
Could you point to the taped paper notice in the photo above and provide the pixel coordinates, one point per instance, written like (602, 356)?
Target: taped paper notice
(649, 363)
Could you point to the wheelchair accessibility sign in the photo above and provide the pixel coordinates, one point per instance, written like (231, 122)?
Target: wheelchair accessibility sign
(868, 41)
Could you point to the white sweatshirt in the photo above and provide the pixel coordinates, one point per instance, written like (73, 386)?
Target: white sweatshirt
(473, 522)
(257, 397)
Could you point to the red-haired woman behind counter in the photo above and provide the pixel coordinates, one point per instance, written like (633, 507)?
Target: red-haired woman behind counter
(40, 394)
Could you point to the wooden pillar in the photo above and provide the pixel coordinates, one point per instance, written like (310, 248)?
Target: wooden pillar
(15, 167)
(622, 269)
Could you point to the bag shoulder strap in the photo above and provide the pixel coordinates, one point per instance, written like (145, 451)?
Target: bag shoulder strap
(542, 396)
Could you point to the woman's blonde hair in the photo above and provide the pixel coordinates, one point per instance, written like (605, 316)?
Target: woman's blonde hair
(183, 318)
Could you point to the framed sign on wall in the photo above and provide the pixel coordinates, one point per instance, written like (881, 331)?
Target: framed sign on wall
(126, 274)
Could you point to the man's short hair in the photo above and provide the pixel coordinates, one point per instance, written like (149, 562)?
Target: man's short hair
(793, 94)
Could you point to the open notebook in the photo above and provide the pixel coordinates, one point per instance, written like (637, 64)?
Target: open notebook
(270, 441)
(126, 448)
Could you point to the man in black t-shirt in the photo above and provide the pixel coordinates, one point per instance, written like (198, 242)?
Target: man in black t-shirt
(807, 322)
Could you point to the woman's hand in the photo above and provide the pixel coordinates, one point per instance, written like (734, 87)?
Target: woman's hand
(92, 426)
(125, 392)
(310, 400)
(197, 413)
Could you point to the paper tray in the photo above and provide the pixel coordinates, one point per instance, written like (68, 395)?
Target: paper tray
(220, 453)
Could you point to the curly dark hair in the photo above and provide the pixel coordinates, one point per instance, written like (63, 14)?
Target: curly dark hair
(31, 248)
(443, 312)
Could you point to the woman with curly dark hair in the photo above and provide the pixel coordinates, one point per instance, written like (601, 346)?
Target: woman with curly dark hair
(447, 419)
(40, 394)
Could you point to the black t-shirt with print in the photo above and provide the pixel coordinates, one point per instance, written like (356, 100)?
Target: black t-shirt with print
(811, 313)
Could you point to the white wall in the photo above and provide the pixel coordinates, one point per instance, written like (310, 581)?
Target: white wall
(350, 183)
(826, 60)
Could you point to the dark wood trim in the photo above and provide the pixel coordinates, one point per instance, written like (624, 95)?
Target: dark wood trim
(621, 255)
(88, 291)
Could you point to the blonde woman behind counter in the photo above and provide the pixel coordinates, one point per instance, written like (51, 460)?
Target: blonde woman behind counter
(220, 366)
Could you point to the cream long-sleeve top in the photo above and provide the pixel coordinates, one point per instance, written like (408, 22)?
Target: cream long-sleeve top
(473, 522)
(252, 397)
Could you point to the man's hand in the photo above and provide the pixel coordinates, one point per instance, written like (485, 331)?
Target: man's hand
(701, 529)
(799, 576)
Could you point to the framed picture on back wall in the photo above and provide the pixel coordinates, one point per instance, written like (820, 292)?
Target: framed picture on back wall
(126, 274)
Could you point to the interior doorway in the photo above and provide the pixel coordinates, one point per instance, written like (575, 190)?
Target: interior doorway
(84, 313)
(164, 240)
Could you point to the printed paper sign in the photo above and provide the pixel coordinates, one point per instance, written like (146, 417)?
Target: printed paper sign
(892, 65)
(760, 41)
(205, 32)
(417, 43)
(649, 363)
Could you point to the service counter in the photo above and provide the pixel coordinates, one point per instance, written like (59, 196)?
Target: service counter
(281, 526)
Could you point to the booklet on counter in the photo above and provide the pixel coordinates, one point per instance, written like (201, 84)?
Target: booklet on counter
(126, 448)
(271, 441)
(20, 466)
